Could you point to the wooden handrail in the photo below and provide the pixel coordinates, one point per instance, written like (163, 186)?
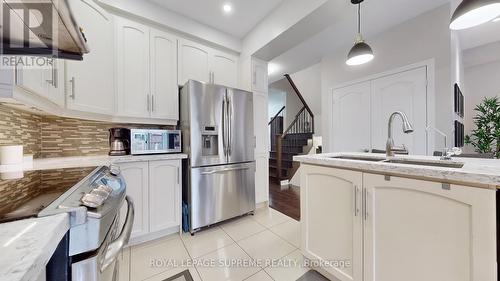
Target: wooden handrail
(277, 114)
(299, 94)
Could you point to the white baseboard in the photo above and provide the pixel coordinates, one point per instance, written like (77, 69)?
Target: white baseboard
(153, 236)
(260, 205)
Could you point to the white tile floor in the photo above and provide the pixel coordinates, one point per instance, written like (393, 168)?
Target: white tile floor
(252, 241)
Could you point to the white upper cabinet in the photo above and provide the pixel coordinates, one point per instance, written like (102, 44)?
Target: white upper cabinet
(90, 83)
(133, 92)
(259, 76)
(194, 60)
(164, 89)
(45, 82)
(201, 63)
(224, 69)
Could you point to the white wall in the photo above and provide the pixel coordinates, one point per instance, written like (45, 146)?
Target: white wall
(292, 102)
(308, 81)
(480, 80)
(276, 101)
(424, 37)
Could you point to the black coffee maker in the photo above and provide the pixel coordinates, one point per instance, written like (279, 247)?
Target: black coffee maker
(119, 141)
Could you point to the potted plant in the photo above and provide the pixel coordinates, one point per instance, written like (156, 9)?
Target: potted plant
(485, 138)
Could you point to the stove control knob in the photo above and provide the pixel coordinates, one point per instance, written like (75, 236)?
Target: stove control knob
(114, 170)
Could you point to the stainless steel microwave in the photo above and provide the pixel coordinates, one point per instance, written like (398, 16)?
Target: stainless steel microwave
(152, 141)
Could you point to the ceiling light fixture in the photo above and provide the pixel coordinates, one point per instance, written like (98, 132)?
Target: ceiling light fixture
(496, 20)
(227, 8)
(471, 13)
(361, 53)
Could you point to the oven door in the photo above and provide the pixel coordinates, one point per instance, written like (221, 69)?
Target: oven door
(101, 265)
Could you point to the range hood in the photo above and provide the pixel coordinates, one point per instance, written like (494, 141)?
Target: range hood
(41, 28)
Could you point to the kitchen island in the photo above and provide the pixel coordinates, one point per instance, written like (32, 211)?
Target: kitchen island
(369, 217)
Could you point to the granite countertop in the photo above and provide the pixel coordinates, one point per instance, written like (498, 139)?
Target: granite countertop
(99, 160)
(27, 246)
(475, 172)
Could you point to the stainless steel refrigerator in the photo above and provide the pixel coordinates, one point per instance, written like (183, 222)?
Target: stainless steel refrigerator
(218, 135)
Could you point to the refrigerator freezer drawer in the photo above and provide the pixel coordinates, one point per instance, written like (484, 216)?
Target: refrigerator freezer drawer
(220, 193)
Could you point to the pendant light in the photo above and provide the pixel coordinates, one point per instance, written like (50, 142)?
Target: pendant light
(471, 13)
(361, 53)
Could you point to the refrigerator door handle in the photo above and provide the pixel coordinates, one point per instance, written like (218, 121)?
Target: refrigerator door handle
(224, 126)
(230, 124)
(224, 170)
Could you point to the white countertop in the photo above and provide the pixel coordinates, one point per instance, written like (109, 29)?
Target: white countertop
(475, 172)
(100, 160)
(26, 246)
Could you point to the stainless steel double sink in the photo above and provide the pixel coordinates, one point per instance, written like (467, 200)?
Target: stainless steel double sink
(404, 161)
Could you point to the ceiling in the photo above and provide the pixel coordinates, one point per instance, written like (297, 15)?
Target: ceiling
(244, 16)
(340, 34)
(480, 35)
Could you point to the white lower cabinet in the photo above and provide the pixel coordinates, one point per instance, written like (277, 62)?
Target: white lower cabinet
(332, 226)
(393, 229)
(155, 187)
(164, 195)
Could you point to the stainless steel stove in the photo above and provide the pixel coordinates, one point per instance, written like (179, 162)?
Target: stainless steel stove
(92, 197)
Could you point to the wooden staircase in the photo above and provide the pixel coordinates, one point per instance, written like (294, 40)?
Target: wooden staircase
(295, 140)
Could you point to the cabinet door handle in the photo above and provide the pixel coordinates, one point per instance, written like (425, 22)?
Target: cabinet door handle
(73, 82)
(356, 209)
(51, 81)
(55, 78)
(254, 77)
(365, 204)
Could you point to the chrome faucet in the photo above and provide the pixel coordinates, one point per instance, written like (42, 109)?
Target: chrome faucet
(390, 149)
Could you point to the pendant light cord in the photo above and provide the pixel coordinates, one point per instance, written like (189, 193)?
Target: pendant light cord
(359, 18)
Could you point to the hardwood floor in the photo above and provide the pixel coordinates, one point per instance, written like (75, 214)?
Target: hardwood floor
(285, 199)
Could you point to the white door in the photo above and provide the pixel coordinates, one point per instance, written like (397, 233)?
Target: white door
(259, 76)
(406, 92)
(332, 224)
(351, 118)
(225, 69)
(136, 178)
(164, 89)
(133, 92)
(164, 194)
(417, 230)
(194, 60)
(90, 84)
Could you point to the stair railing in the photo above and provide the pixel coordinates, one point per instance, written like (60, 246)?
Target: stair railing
(302, 124)
(276, 126)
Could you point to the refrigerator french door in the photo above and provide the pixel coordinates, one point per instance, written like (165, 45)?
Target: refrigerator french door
(218, 136)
